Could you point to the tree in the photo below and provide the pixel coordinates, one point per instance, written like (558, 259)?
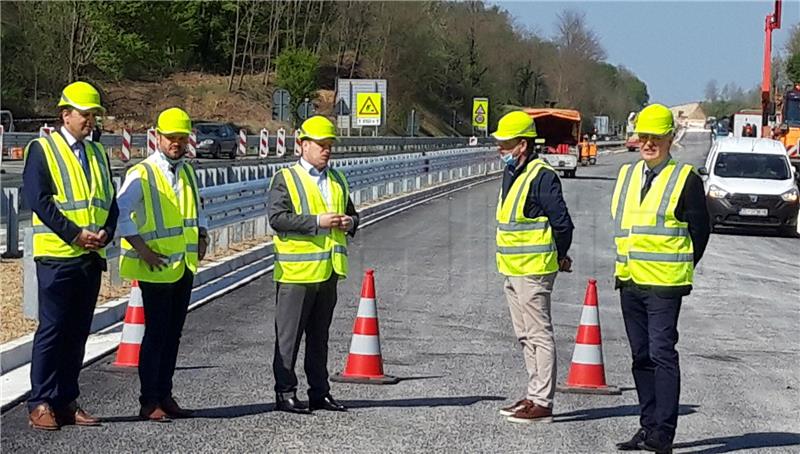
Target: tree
(297, 71)
(712, 91)
(793, 68)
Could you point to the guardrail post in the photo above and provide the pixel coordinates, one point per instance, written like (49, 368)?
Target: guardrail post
(11, 198)
(30, 286)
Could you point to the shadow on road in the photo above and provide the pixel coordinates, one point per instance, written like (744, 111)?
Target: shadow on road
(733, 443)
(422, 402)
(612, 412)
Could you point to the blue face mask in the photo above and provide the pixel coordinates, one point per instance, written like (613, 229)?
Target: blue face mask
(509, 159)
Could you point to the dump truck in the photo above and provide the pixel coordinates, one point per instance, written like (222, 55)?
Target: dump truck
(560, 129)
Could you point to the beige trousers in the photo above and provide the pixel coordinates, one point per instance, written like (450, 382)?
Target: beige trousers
(529, 301)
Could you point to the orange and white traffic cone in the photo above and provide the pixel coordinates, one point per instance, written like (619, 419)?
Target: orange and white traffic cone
(586, 373)
(364, 363)
(132, 330)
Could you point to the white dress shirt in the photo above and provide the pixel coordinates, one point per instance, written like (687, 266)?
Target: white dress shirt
(320, 178)
(71, 140)
(131, 197)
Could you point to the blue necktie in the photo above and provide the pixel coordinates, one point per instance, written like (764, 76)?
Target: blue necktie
(79, 147)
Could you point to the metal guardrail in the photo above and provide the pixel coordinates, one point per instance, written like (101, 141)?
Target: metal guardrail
(235, 200)
(344, 144)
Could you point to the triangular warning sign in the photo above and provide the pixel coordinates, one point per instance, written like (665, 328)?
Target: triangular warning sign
(368, 108)
(479, 110)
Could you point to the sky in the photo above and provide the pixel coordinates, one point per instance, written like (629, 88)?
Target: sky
(674, 47)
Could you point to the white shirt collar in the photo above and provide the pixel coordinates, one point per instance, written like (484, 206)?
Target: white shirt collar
(311, 169)
(71, 140)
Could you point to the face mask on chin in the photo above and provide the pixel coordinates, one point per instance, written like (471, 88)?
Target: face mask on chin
(509, 159)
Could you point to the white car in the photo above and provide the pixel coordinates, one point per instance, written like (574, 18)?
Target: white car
(749, 182)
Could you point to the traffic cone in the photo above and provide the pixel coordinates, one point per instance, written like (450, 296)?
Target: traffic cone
(364, 363)
(586, 373)
(132, 330)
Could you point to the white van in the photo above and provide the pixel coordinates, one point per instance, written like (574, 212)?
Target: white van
(750, 183)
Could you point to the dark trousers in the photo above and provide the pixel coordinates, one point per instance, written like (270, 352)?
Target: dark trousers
(651, 322)
(165, 307)
(68, 292)
(303, 308)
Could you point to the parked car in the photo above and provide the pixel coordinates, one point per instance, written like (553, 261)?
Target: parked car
(216, 140)
(750, 183)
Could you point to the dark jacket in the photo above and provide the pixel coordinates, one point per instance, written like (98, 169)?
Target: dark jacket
(282, 216)
(38, 189)
(691, 209)
(545, 198)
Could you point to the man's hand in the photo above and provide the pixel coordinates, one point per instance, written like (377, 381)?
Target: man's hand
(330, 220)
(565, 264)
(102, 235)
(89, 240)
(154, 260)
(346, 223)
(202, 247)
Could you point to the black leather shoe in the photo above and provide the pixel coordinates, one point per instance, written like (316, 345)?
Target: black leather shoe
(327, 402)
(648, 446)
(633, 443)
(291, 405)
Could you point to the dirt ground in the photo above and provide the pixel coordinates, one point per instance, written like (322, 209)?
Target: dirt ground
(12, 322)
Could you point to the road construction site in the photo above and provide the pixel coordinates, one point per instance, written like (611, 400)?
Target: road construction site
(446, 332)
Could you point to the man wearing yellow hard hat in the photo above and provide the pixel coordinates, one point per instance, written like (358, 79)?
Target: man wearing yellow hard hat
(311, 212)
(67, 184)
(164, 236)
(534, 234)
(661, 232)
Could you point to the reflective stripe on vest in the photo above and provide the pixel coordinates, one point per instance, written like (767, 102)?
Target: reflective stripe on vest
(653, 246)
(170, 227)
(312, 258)
(86, 205)
(525, 246)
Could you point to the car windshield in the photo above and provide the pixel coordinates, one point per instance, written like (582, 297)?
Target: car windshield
(746, 165)
(209, 129)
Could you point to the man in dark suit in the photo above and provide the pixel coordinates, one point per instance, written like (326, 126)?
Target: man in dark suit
(67, 184)
(311, 212)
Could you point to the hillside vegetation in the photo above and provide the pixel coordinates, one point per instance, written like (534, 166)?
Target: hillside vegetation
(436, 57)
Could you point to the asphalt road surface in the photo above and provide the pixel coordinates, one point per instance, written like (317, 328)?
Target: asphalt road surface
(446, 330)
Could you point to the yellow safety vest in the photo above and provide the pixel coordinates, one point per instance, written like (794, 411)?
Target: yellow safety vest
(653, 246)
(169, 225)
(312, 258)
(525, 246)
(87, 205)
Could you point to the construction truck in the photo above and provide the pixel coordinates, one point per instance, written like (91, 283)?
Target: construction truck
(788, 130)
(560, 129)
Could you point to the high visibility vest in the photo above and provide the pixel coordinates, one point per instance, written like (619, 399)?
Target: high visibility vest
(85, 204)
(525, 246)
(653, 246)
(169, 225)
(312, 258)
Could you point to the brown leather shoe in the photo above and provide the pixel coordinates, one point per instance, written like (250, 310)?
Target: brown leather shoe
(519, 405)
(535, 413)
(174, 410)
(43, 418)
(154, 412)
(74, 414)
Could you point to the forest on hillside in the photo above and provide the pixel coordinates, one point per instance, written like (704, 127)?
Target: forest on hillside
(435, 55)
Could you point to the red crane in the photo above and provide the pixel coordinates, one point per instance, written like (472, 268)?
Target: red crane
(773, 22)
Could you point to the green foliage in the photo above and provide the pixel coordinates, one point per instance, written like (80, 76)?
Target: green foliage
(793, 68)
(297, 71)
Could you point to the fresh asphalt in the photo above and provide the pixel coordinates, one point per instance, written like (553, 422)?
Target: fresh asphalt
(445, 329)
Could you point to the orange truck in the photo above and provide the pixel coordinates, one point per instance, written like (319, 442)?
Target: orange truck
(560, 129)
(788, 131)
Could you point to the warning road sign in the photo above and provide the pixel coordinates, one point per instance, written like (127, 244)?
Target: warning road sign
(480, 113)
(368, 109)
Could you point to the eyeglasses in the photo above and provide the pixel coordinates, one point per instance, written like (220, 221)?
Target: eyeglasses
(652, 137)
(509, 144)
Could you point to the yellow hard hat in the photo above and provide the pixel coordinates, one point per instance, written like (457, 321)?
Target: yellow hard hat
(81, 96)
(174, 121)
(655, 119)
(515, 124)
(317, 128)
